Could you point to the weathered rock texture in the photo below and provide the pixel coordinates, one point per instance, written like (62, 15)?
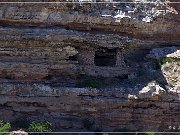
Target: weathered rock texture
(71, 109)
(88, 17)
(47, 49)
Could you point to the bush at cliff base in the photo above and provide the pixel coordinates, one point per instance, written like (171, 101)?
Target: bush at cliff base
(4, 127)
(40, 127)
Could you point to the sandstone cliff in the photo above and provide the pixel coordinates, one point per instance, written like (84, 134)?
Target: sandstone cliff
(90, 67)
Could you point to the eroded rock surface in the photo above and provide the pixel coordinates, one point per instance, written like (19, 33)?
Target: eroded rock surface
(90, 17)
(109, 109)
(82, 70)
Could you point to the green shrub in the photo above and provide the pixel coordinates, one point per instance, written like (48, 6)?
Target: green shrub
(4, 127)
(40, 127)
(149, 133)
(164, 60)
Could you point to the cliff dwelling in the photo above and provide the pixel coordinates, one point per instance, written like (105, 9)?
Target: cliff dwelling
(94, 60)
(90, 67)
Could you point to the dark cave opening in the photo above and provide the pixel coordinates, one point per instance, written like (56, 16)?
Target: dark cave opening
(105, 57)
(73, 58)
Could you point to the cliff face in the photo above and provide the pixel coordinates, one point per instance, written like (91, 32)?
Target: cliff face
(97, 17)
(84, 109)
(49, 51)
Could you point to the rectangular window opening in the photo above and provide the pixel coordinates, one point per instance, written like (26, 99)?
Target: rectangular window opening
(105, 57)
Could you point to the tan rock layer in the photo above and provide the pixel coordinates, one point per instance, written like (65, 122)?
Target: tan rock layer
(68, 108)
(166, 28)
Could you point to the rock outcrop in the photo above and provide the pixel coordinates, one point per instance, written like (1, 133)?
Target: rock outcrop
(72, 109)
(84, 67)
(90, 17)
